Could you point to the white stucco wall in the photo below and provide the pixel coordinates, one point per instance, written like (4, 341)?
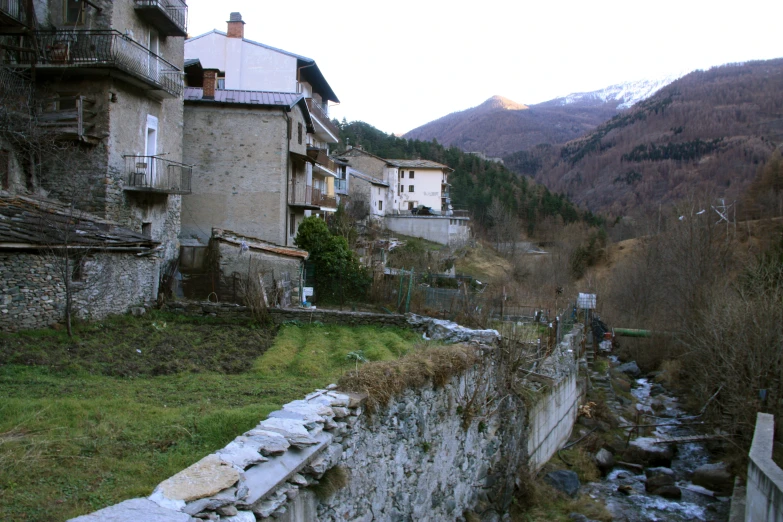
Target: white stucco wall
(247, 65)
(426, 184)
(438, 229)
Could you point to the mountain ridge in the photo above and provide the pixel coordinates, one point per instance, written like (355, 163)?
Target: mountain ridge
(500, 126)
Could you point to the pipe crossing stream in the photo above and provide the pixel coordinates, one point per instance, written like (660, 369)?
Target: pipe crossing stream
(623, 489)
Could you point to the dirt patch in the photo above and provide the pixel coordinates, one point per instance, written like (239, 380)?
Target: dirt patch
(124, 346)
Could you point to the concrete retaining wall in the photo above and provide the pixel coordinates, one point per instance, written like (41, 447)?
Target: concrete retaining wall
(446, 230)
(418, 458)
(764, 500)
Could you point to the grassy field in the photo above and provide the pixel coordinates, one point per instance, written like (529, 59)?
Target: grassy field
(105, 416)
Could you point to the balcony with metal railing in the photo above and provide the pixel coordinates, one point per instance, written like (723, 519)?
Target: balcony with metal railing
(303, 195)
(341, 186)
(155, 174)
(322, 122)
(322, 161)
(84, 52)
(14, 13)
(169, 17)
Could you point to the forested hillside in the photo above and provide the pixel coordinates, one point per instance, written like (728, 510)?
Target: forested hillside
(475, 182)
(710, 130)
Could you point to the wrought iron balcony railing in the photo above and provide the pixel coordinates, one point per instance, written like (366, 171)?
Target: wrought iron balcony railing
(13, 12)
(304, 195)
(99, 49)
(323, 119)
(169, 17)
(154, 174)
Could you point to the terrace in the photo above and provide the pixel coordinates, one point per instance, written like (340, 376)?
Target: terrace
(169, 17)
(87, 52)
(154, 174)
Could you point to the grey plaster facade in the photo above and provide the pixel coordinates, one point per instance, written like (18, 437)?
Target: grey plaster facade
(243, 168)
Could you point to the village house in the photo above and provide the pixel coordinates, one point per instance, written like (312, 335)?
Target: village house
(416, 200)
(97, 88)
(258, 129)
(108, 79)
(256, 126)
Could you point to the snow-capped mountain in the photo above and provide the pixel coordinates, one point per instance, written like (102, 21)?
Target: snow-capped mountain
(625, 94)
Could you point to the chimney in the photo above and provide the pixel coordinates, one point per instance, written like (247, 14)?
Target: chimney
(210, 82)
(236, 27)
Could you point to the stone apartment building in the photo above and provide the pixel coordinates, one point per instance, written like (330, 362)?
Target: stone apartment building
(108, 79)
(98, 87)
(258, 129)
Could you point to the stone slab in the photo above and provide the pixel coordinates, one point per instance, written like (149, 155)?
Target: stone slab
(263, 479)
(205, 478)
(133, 511)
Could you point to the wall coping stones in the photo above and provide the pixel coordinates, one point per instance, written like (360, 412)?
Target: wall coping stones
(135, 510)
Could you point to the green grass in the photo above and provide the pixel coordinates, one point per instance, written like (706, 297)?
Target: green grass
(84, 424)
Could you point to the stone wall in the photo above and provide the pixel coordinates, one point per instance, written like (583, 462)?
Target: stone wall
(283, 315)
(32, 292)
(764, 500)
(418, 458)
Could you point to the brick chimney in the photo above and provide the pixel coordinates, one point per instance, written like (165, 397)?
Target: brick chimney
(236, 27)
(210, 83)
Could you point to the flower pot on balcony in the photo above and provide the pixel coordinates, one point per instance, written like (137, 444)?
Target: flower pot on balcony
(59, 52)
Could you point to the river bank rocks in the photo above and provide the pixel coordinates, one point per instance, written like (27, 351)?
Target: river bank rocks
(564, 480)
(715, 477)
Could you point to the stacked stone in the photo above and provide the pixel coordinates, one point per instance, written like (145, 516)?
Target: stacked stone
(259, 472)
(31, 291)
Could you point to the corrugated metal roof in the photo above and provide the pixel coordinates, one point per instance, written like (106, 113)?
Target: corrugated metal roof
(416, 163)
(365, 177)
(257, 244)
(274, 99)
(37, 223)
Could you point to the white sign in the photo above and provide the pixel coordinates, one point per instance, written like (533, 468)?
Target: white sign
(586, 301)
(308, 291)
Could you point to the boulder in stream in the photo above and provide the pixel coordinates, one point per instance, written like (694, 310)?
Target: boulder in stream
(630, 368)
(644, 450)
(658, 481)
(671, 492)
(604, 460)
(715, 477)
(563, 480)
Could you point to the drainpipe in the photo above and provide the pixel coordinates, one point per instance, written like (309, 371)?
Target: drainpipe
(287, 168)
(299, 71)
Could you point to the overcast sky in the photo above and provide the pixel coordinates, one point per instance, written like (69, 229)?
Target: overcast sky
(398, 65)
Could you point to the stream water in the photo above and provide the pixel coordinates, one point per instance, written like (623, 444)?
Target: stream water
(636, 505)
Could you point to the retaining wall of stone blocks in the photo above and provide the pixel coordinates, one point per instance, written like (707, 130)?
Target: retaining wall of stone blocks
(417, 458)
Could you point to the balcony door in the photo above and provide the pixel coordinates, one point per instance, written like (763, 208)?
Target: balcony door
(153, 64)
(151, 150)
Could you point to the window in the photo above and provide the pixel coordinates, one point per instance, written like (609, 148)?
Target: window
(380, 205)
(299, 132)
(399, 189)
(410, 188)
(379, 191)
(74, 11)
(410, 174)
(292, 224)
(77, 271)
(5, 169)
(402, 174)
(221, 81)
(146, 229)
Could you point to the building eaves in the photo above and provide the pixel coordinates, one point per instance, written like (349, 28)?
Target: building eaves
(252, 243)
(33, 223)
(417, 163)
(367, 178)
(285, 100)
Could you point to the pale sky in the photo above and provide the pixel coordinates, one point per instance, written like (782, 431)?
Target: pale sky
(398, 65)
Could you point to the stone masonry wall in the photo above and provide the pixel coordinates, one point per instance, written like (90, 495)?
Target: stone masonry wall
(417, 458)
(32, 292)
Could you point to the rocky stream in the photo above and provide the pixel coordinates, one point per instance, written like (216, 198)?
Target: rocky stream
(645, 479)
